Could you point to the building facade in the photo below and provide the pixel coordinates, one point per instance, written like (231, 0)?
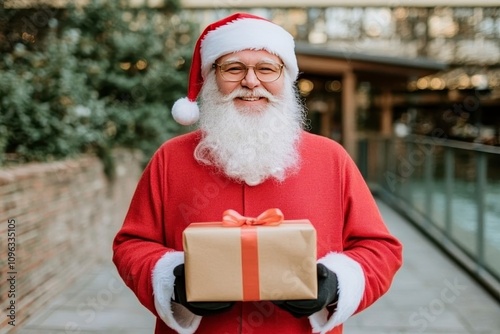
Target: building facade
(458, 41)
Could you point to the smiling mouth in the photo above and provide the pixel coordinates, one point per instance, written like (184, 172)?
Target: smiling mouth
(250, 98)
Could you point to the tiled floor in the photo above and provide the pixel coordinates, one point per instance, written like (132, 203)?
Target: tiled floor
(98, 303)
(430, 295)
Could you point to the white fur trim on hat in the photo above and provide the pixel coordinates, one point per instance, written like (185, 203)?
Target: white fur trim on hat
(185, 112)
(174, 315)
(351, 282)
(245, 34)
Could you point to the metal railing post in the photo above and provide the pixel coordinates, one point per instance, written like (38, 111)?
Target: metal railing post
(449, 173)
(481, 179)
(429, 184)
(409, 174)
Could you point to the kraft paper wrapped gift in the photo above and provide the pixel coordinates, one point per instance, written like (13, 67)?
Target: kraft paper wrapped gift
(250, 259)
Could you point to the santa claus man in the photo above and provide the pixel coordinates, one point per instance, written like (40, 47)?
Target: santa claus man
(251, 153)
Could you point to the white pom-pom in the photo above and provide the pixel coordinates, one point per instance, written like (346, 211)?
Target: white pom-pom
(185, 112)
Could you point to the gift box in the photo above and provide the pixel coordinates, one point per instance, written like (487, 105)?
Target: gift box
(250, 259)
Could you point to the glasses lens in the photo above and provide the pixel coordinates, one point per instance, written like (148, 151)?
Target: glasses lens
(268, 71)
(233, 71)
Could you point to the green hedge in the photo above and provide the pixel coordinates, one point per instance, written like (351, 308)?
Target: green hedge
(103, 76)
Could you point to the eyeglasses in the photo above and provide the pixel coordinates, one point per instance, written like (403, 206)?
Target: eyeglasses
(236, 71)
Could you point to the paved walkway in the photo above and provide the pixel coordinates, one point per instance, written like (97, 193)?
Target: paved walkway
(430, 295)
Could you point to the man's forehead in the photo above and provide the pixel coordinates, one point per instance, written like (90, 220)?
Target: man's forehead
(253, 55)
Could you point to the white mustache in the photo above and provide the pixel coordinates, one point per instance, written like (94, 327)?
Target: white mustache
(247, 93)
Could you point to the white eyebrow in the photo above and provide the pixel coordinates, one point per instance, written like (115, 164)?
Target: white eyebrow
(269, 60)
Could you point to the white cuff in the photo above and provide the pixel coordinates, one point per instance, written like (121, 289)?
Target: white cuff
(351, 285)
(174, 315)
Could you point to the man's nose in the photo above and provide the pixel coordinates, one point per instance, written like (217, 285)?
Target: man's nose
(250, 80)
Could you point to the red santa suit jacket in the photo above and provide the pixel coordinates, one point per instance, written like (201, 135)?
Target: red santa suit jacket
(176, 190)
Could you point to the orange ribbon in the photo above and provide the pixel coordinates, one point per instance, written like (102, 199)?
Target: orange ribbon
(249, 246)
(232, 218)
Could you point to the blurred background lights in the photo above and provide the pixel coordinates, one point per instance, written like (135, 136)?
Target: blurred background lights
(141, 64)
(305, 86)
(463, 81)
(125, 66)
(479, 81)
(28, 37)
(401, 13)
(333, 86)
(423, 83)
(180, 62)
(437, 84)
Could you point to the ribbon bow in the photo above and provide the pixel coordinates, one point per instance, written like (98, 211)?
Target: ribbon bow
(270, 217)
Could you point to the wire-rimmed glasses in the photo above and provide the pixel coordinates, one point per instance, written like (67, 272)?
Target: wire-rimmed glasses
(265, 71)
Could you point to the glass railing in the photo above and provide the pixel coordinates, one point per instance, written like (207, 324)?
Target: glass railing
(449, 189)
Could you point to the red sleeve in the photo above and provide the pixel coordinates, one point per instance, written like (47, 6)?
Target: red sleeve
(367, 239)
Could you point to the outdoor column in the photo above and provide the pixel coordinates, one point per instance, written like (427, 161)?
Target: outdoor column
(386, 114)
(349, 114)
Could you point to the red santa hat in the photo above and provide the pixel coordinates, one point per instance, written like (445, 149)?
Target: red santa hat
(240, 31)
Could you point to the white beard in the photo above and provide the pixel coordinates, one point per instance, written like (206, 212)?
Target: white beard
(250, 145)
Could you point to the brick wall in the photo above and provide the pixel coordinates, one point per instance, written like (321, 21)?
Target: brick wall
(64, 216)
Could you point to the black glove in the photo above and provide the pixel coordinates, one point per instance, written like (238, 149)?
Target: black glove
(198, 308)
(327, 294)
